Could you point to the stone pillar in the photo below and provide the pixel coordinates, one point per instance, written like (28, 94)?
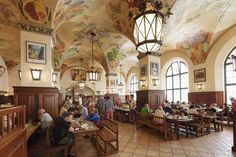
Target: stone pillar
(149, 93)
(36, 36)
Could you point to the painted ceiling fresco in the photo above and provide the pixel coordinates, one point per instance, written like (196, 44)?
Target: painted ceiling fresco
(9, 34)
(193, 28)
(196, 25)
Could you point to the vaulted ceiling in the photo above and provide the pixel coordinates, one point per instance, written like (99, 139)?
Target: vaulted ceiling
(193, 28)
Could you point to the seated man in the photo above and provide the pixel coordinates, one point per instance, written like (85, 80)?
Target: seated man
(192, 110)
(167, 109)
(64, 108)
(44, 118)
(94, 117)
(84, 112)
(62, 131)
(159, 112)
(145, 109)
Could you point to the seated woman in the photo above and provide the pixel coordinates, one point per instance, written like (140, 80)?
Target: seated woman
(94, 117)
(145, 109)
(64, 108)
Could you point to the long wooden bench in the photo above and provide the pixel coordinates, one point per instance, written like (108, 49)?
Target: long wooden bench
(153, 122)
(44, 146)
(108, 138)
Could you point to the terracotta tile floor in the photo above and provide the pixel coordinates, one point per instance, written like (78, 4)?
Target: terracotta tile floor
(144, 143)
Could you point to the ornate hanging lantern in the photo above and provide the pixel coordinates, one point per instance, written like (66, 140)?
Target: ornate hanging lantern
(148, 26)
(93, 74)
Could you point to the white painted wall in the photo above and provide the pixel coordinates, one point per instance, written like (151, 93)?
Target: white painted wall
(66, 82)
(46, 76)
(13, 78)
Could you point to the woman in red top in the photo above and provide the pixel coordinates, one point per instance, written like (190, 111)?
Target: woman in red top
(233, 101)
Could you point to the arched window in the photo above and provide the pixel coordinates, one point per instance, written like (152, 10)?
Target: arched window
(133, 85)
(177, 82)
(230, 77)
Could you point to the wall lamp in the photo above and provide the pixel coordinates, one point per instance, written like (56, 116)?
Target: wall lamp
(154, 82)
(143, 83)
(54, 77)
(199, 86)
(36, 74)
(19, 74)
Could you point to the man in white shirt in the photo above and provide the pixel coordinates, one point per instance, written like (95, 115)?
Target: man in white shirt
(159, 112)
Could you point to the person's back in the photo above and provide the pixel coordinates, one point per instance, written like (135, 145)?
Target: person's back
(109, 108)
(84, 112)
(101, 103)
(44, 116)
(159, 113)
(167, 109)
(145, 109)
(109, 105)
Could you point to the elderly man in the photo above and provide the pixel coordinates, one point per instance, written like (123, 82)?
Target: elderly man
(43, 116)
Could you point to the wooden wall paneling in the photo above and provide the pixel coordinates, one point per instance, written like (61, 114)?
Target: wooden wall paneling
(207, 97)
(153, 98)
(15, 146)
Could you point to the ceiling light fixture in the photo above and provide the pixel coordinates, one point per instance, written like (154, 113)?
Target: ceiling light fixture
(148, 26)
(93, 74)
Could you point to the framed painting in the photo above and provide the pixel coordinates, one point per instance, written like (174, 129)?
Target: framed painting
(143, 70)
(200, 75)
(77, 74)
(154, 68)
(36, 52)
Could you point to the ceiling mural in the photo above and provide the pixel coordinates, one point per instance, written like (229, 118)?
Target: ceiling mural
(39, 11)
(9, 34)
(196, 25)
(193, 28)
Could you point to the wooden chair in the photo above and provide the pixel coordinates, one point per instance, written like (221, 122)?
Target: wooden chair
(47, 145)
(108, 138)
(160, 124)
(198, 125)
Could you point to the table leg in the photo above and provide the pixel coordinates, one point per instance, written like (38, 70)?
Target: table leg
(97, 144)
(186, 128)
(76, 147)
(177, 130)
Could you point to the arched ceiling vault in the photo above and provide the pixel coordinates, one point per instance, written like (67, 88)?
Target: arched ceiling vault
(193, 28)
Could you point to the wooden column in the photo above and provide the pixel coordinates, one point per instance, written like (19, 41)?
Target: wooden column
(234, 133)
(153, 98)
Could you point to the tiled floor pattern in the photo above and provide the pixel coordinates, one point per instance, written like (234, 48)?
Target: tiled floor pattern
(145, 143)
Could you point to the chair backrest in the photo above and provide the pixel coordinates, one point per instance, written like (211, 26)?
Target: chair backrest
(111, 125)
(144, 117)
(198, 118)
(160, 121)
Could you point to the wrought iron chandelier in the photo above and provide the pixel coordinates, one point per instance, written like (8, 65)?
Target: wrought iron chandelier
(148, 25)
(81, 82)
(93, 74)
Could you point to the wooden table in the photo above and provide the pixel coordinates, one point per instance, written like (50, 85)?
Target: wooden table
(92, 130)
(31, 129)
(185, 120)
(122, 114)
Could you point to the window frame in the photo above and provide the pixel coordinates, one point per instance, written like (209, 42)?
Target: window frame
(225, 78)
(132, 84)
(180, 74)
